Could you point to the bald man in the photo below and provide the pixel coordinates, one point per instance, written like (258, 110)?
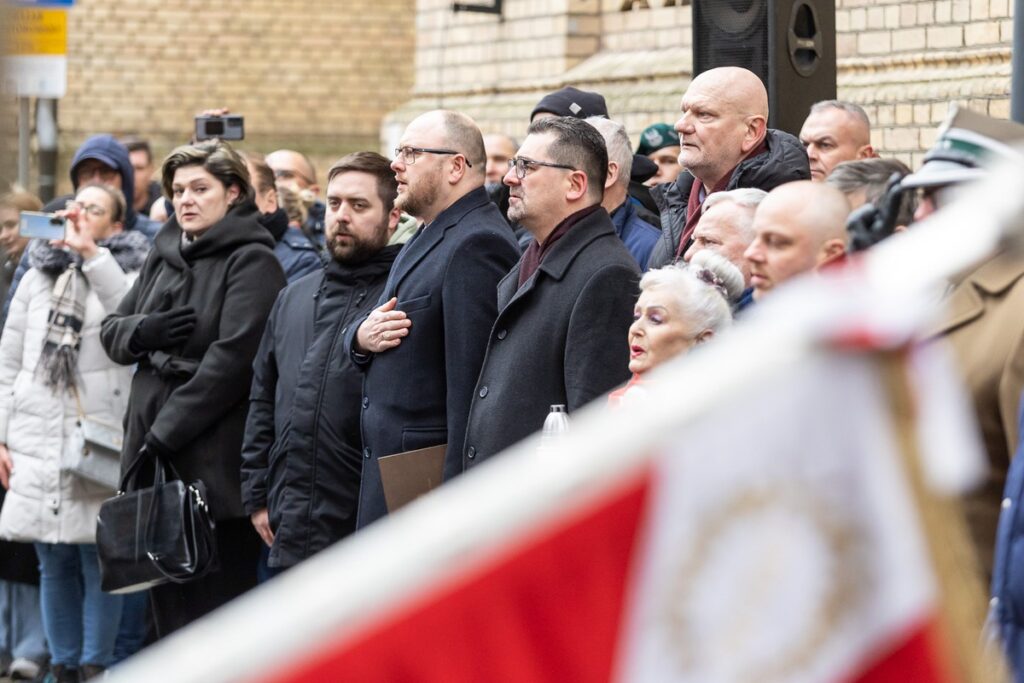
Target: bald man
(500, 148)
(835, 132)
(725, 144)
(799, 227)
(421, 348)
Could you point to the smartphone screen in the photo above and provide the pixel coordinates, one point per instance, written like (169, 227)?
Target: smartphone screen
(44, 226)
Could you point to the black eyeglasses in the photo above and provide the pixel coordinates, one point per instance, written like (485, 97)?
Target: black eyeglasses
(522, 165)
(408, 155)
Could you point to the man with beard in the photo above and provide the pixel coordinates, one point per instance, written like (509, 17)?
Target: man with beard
(302, 451)
(422, 347)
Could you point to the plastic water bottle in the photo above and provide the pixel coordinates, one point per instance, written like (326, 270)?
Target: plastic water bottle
(556, 425)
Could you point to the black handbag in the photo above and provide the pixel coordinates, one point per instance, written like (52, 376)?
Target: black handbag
(154, 535)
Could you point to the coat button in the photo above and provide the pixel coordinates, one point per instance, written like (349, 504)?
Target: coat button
(366, 402)
(483, 392)
(502, 334)
(117, 392)
(366, 453)
(471, 452)
(1007, 503)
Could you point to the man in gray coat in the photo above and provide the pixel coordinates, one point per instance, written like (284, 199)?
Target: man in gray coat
(564, 310)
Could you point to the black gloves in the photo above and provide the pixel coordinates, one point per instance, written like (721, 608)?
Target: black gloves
(165, 328)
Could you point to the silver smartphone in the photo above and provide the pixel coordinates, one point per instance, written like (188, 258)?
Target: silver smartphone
(43, 226)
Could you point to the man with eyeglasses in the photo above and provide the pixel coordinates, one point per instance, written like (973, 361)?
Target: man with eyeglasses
(295, 171)
(422, 347)
(564, 311)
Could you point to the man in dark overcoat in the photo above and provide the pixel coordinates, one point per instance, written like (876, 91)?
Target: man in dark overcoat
(565, 309)
(421, 348)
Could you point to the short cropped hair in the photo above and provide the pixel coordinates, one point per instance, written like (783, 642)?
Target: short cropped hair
(577, 144)
(216, 157)
(139, 145)
(373, 164)
(747, 197)
(871, 177)
(616, 141)
(116, 197)
(854, 110)
(260, 174)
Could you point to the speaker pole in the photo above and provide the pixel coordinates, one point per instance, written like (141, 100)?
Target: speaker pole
(1017, 64)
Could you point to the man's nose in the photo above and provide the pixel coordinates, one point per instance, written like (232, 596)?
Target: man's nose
(510, 178)
(684, 124)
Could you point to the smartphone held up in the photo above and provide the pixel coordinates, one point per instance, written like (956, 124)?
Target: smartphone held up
(228, 127)
(43, 226)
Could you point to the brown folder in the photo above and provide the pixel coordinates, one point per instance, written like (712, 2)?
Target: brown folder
(407, 476)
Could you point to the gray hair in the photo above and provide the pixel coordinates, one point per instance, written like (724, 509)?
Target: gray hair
(872, 176)
(620, 150)
(747, 197)
(854, 110)
(703, 288)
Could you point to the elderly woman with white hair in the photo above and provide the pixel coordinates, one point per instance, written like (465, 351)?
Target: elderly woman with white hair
(679, 307)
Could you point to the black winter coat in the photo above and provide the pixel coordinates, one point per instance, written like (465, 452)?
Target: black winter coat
(784, 162)
(194, 398)
(560, 338)
(417, 394)
(302, 457)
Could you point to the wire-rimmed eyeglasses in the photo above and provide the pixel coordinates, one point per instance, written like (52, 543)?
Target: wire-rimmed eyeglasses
(522, 165)
(408, 155)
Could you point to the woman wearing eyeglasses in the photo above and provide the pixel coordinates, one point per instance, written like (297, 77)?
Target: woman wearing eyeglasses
(53, 369)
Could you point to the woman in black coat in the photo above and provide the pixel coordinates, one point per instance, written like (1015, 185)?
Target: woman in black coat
(193, 322)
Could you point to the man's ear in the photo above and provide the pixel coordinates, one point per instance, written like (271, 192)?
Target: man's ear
(866, 152)
(756, 127)
(831, 251)
(613, 175)
(394, 216)
(578, 185)
(458, 170)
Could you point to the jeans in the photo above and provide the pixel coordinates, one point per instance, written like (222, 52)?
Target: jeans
(80, 620)
(21, 626)
(134, 626)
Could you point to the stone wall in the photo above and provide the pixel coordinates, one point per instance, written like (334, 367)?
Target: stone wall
(314, 75)
(903, 61)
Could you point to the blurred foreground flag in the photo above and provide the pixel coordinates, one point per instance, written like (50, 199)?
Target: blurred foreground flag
(775, 539)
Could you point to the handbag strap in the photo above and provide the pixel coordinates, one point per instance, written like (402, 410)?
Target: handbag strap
(198, 535)
(78, 403)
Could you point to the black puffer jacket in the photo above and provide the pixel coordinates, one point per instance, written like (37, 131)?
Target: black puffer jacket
(302, 457)
(193, 397)
(785, 161)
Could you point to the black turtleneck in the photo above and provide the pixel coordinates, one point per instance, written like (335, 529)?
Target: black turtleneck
(276, 223)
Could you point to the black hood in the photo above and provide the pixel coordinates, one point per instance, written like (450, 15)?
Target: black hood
(106, 149)
(238, 228)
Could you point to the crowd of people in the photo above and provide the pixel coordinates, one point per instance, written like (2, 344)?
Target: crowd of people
(275, 341)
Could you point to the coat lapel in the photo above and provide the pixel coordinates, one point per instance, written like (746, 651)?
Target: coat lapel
(418, 247)
(967, 303)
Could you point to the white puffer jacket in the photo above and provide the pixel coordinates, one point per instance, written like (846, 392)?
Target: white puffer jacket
(44, 504)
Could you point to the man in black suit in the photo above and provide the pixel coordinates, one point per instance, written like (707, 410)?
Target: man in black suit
(565, 310)
(422, 347)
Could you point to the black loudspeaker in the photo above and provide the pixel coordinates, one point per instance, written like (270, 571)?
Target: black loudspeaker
(789, 44)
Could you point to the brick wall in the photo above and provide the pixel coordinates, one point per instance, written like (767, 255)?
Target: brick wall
(316, 75)
(903, 61)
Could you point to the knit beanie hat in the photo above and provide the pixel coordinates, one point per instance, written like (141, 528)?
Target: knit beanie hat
(572, 102)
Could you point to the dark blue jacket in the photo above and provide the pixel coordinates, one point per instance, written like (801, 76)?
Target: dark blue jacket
(638, 235)
(417, 394)
(298, 255)
(1006, 609)
(302, 454)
